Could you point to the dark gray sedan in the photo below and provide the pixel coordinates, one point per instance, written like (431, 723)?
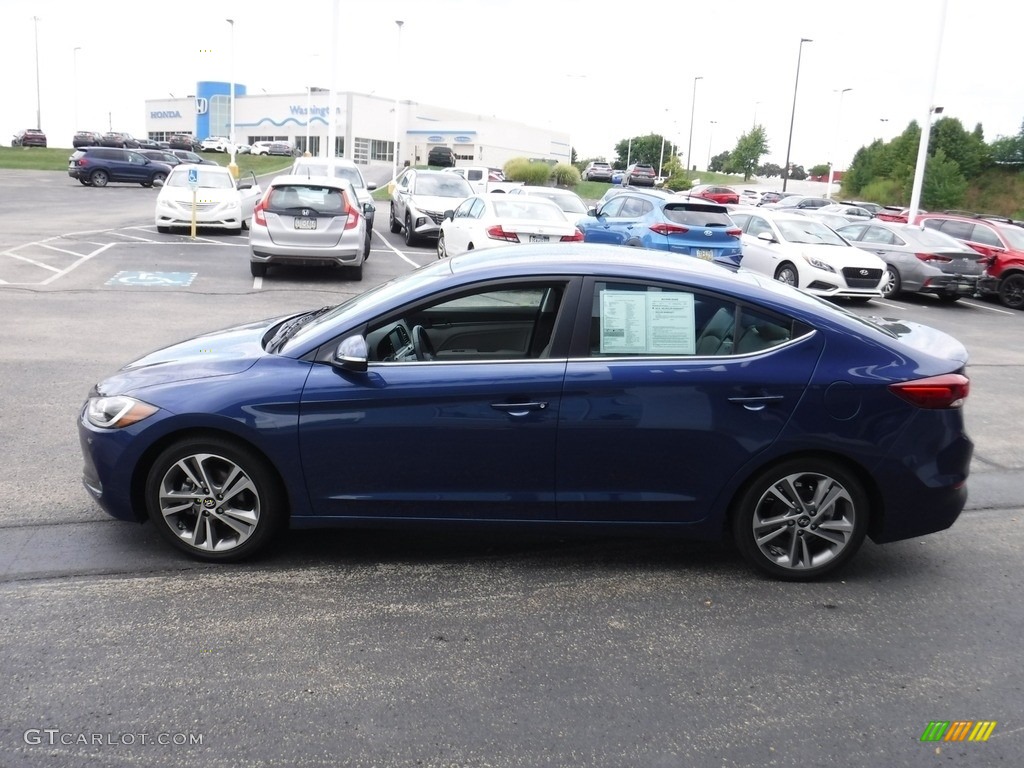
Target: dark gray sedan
(919, 260)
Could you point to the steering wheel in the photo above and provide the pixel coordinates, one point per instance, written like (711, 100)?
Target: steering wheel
(422, 345)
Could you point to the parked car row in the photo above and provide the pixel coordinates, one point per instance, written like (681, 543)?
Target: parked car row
(30, 137)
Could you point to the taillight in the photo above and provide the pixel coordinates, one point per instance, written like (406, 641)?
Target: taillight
(734, 232)
(664, 228)
(497, 233)
(933, 257)
(575, 237)
(946, 391)
(258, 215)
(353, 215)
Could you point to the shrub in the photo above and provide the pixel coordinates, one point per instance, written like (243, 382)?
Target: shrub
(565, 175)
(521, 169)
(678, 183)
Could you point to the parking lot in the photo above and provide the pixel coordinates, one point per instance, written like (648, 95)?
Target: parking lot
(373, 648)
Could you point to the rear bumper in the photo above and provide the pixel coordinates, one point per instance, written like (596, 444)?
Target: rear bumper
(951, 285)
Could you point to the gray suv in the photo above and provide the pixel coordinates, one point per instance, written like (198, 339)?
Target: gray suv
(342, 169)
(97, 166)
(420, 198)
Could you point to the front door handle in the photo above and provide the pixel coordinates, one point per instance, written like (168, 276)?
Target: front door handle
(519, 409)
(756, 403)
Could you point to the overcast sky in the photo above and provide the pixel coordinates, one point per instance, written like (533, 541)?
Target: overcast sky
(581, 67)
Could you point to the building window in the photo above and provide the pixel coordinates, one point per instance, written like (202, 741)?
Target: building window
(361, 154)
(462, 155)
(382, 150)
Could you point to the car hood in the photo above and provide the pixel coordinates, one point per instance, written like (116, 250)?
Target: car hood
(222, 353)
(837, 255)
(435, 203)
(183, 195)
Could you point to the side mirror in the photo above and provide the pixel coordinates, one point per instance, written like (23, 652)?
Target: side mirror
(592, 212)
(351, 355)
(244, 184)
(449, 214)
(766, 236)
(368, 208)
(370, 186)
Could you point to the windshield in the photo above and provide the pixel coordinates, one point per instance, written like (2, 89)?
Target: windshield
(208, 179)
(1014, 236)
(808, 232)
(442, 185)
(320, 169)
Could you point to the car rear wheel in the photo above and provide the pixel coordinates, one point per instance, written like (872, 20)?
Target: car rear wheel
(158, 179)
(366, 246)
(787, 274)
(214, 499)
(84, 182)
(256, 269)
(396, 227)
(1011, 291)
(891, 283)
(442, 251)
(99, 178)
(356, 273)
(801, 519)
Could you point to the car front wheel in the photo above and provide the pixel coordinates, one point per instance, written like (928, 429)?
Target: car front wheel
(801, 519)
(442, 251)
(99, 178)
(787, 274)
(891, 283)
(214, 499)
(410, 237)
(396, 226)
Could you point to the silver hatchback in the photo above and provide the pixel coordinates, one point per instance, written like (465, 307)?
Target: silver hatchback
(309, 220)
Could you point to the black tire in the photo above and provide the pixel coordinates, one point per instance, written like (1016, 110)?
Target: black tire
(366, 246)
(410, 237)
(786, 273)
(396, 226)
(257, 269)
(442, 252)
(84, 182)
(356, 273)
(819, 527)
(1011, 291)
(949, 298)
(163, 230)
(99, 178)
(236, 510)
(157, 177)
(891, 283)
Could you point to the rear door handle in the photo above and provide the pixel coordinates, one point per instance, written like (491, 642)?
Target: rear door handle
(756, 403)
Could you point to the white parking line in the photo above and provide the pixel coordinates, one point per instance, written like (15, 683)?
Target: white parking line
(989, 308)
(78, 263)
(400, 255)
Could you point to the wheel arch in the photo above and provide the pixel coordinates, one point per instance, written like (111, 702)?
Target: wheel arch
(149, 457)
(876, 506)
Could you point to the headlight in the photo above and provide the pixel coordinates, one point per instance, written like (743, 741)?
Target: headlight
(819, 264)
(117, 412)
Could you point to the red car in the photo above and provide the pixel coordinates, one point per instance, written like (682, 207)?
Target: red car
(720, 195)
(999, 238)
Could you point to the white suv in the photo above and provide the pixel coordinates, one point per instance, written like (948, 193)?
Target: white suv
(342, 169)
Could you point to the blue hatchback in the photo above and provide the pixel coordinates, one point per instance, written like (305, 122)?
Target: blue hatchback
(665, 222)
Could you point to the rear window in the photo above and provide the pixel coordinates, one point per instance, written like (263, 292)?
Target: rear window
(697, 215)
(522, 208)
(329, 200)
(320, 169)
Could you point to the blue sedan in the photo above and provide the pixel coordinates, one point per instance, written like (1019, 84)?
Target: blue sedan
(550, 387)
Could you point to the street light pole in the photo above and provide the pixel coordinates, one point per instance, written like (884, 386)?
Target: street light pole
(39, 108)
(394, 165)
(792, 115)
(693, 106)
(711, 135)
(835, 140)
(74, 53)
(756, 105)
(926, 127)
(232, 165)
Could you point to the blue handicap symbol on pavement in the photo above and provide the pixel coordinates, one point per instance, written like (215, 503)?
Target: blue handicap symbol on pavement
(153, 279)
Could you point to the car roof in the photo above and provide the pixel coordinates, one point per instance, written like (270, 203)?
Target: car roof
(302, 180)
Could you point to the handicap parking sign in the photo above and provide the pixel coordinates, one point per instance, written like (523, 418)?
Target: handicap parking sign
(193, 177)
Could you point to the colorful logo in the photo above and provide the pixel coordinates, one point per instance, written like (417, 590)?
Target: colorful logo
(958, 730)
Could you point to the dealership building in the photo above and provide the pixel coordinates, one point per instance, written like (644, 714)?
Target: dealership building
(365, 126)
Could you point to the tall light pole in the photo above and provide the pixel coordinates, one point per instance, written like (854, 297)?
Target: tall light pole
(693, 107)
(926, 126)
(39, 107)
(835, 140)
(711, 135)
(394, 166)
(232, 165)
(661, 157)
(74, 53)
(756, 105)
(792, 115)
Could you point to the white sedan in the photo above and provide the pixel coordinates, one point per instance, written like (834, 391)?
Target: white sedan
(489, 220)
(803, 252)
(219, 201)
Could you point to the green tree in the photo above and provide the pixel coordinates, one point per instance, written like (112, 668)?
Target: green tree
(967, 150)
(769, 170)
(944, 185)
(821, 169)
(641, 149)
(718, 162)
(748, 152)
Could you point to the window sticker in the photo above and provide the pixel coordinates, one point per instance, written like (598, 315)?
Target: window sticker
(635, 323)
